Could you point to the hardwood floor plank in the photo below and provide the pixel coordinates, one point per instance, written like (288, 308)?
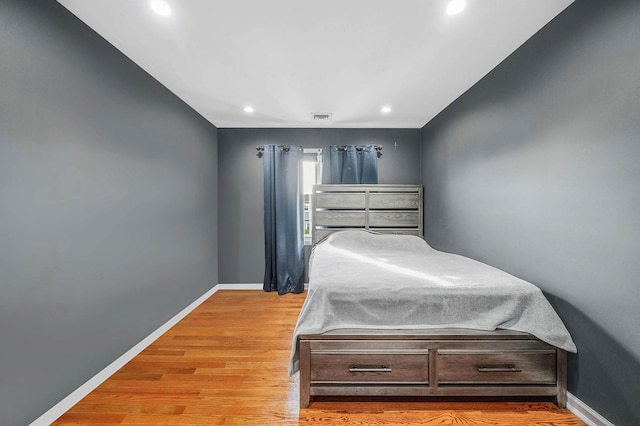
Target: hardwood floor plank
(146, 420)
(72, 418)
(148, 407)
(226, 363)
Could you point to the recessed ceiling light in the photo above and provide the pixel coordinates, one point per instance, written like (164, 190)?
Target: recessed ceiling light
(248, 109)
(160, 7)
(455, 7)
(386, 109)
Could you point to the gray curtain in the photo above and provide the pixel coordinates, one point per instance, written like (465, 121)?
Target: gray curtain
(349, 164)
(283, 219)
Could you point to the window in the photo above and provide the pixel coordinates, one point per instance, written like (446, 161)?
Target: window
(310, 172)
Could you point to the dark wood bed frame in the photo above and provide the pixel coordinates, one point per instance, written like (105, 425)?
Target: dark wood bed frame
(417, 363)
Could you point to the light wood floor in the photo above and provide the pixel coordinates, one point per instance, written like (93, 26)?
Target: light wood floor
(226, 363)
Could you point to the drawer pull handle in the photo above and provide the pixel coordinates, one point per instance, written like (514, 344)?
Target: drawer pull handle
(370, 369)
(502, 369)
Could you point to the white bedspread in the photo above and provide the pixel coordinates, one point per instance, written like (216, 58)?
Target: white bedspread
(360, 279)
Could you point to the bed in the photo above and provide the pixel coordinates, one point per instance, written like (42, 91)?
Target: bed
(387, 315)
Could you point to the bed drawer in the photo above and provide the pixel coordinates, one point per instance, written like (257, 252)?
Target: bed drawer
(491, 367)
(410, 366)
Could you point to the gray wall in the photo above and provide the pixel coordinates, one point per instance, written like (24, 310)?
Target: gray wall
(536, 170)
(108, 187)
(241, 228)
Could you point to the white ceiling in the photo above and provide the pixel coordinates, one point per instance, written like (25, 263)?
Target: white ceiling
(291, 58)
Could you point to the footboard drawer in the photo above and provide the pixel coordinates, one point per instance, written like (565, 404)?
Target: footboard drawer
(369, 362)
(406, 367)
(494, 367)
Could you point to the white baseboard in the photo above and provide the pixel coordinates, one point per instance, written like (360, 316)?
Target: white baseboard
(585, 413)
(74, 397)
(239, 286)
(247, 286)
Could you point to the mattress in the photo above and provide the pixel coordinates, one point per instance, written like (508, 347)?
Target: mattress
(364, 280)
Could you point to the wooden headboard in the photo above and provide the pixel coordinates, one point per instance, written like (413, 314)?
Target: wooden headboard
(391, 209)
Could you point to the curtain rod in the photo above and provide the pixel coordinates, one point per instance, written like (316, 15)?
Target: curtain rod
(378, 149)
(261, 150)
(358, 147)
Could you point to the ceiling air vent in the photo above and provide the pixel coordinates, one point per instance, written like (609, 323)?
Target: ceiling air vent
(321, 116)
